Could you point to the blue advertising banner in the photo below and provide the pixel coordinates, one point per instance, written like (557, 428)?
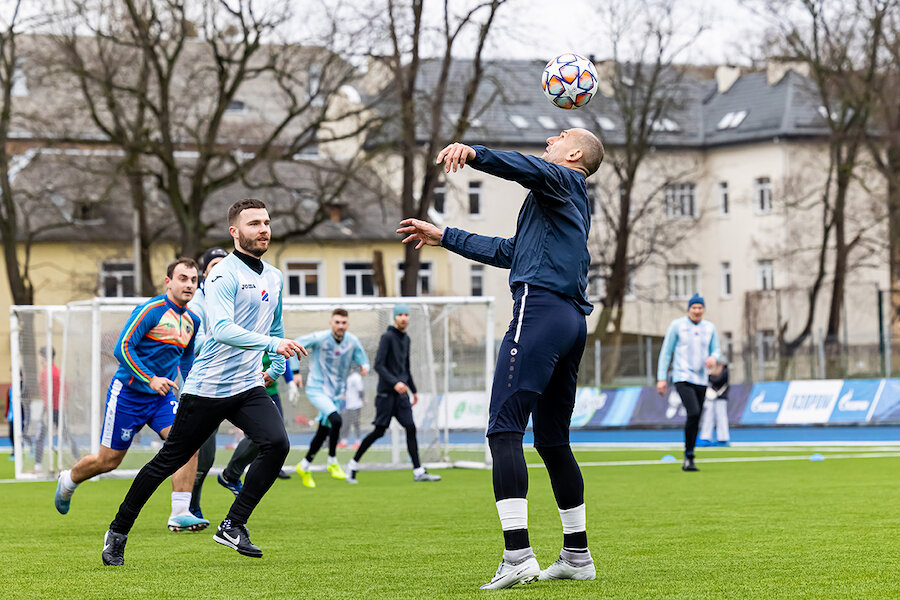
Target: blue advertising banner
(737, 400)
(622, 407)
(855, 400)
(887, 405)
(591, 405)
(654, 410)
(764, 403)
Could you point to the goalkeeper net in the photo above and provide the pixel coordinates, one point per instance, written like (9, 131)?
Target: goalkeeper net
(451, 357)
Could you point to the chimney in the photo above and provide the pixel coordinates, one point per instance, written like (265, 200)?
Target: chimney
(336, 213)
(726, 75)
(778, 66)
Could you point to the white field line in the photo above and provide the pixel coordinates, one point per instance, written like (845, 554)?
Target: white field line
(629, 463)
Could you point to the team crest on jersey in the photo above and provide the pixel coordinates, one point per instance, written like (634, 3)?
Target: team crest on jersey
(265, 296)
(126, 435)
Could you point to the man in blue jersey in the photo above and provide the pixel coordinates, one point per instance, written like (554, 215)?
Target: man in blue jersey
(333, 352)
(538, 360)
(155, 343)
(691, 346)
(243, 305)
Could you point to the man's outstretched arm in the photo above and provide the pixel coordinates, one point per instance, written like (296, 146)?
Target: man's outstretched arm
(494, 251)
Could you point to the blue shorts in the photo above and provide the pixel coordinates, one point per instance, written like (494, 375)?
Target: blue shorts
(127, 411)
(322, 401)
(537, 367)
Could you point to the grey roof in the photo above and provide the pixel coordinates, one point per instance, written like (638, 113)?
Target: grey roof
(786, 109)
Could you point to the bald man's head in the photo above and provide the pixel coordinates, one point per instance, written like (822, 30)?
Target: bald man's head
(592, 151)
(577, 149)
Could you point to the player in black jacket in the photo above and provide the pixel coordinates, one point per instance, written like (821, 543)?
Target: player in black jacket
(395, 384)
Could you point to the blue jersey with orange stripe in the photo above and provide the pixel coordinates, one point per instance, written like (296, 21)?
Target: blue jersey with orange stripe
(157, 340)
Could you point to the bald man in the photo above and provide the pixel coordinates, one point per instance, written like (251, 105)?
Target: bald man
(538, 361)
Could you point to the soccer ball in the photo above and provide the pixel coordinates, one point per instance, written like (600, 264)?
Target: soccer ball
(569, 81)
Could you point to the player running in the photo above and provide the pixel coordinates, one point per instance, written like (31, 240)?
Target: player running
(334, 351)
(155, 343)
(537, 364)
(243, 301)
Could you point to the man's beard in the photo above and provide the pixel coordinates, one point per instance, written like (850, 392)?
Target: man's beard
(249, 245)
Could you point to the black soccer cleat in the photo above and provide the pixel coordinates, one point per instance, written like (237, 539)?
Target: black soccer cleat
(236, 536)
(689, 464)
(113, 554)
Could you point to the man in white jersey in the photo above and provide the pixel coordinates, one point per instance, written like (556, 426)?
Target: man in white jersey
(243, 304)
(354, 400)
(691, 346)
(333, 352)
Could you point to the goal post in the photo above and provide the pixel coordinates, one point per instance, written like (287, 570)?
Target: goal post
(452, 355)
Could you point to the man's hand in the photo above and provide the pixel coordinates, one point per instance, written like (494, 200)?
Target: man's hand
(401, 388)
(711, 362)
(661, 388)
(422, 232)
(455, 156)
(161, 385)
(414, 400)
(267, 379)
(293, 392)
(288, 348)
(363, 371)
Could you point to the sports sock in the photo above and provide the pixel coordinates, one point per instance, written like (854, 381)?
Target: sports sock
(418, 471)
(332, 460)
(68, 486)
(517, 556)
(352, 468)
(335, 433)
(576, 557)
(304, 464)
(513, 513)
(574, 528)
(180, 503)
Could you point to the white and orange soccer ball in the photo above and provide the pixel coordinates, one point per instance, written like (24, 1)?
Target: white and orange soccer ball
(569, 81)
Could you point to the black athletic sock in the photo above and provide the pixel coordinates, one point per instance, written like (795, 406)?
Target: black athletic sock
(576, 542)
(516, 539)
(335, 433)
(565, 476)
(510, 473)
(412, 446)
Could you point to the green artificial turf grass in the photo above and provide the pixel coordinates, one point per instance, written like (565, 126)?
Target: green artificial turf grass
(793, 529)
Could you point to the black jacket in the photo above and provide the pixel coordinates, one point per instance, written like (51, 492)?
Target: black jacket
(392, 361)
(719, 383)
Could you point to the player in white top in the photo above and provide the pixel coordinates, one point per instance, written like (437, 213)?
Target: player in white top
(691, 346)
(243, 307)
(333, 351)
(354, 399)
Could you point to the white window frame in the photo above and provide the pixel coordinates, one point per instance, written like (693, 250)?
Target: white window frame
(724, 200)
(119, 275)
(598, 274)
(519, 121)
(291, 272)
(359, 273)
(476, 272)
(676, 194)
(474, 187)
(683, 281)
(769, 342)
(440, 189)
(765, 275)
(727, 280)
(19, 87)
(426, 271)
(762, 195)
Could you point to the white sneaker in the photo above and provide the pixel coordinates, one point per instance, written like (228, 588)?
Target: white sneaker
(563, 569)
(509, 574)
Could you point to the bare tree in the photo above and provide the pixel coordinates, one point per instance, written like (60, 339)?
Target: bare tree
(647, 90)
(421, 116)
(204, 96)
(840, 42)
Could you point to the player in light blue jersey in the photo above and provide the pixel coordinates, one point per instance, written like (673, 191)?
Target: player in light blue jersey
(334, 351)
(691, 346)
(243, 307)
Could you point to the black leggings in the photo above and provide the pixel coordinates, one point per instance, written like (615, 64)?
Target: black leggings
(692, 396)
(252, 411)
(333, 434)
(412, 446)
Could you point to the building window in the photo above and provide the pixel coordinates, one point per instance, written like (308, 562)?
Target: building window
(681, 201)
(727, 346)
(476, 274)
(314, 85)
(765, 275)
(768, 343)
(19, 86)
(117, 279)
(358, 278)
(426, 275)
(475, 198)
(723, 198)
(726, 280)
(762, 193)
(303, 278)
(440, 198)
(683, 280)
(236, 107)
(598, 275)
